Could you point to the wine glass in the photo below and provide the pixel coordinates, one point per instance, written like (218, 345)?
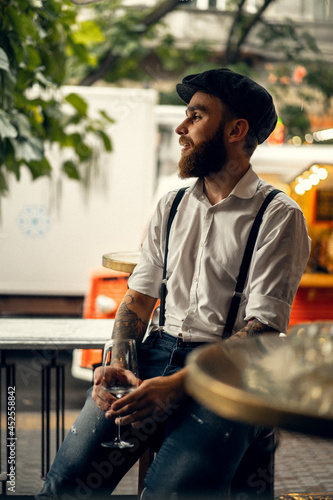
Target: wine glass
(120, 376)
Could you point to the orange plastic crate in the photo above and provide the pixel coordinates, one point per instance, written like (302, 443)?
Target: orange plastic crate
(109, 283)
(112, 284)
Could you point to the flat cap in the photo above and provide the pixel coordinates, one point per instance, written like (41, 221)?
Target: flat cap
(246, 97)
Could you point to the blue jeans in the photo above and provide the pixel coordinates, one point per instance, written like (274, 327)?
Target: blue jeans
(199, 451)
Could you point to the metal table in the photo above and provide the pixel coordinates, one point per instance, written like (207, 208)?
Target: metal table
(121, 261)
(48, 336)
(219, 377)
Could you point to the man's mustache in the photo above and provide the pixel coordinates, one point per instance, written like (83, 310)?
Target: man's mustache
(183, 141)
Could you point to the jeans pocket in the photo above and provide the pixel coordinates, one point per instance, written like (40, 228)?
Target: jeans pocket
(178, 358)
(149, 341)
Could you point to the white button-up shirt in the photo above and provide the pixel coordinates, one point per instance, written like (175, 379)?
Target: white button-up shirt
(206, 247)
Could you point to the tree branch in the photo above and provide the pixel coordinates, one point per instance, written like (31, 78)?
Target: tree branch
(232, 52)
(228, 49)
(110, 58)
(254, 19)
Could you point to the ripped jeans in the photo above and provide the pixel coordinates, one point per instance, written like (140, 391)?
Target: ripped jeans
(199, 451)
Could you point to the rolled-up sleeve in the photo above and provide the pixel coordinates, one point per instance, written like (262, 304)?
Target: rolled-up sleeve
(147, 276)
(279, 262)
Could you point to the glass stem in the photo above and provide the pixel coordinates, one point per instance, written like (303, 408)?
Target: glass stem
(118, 430)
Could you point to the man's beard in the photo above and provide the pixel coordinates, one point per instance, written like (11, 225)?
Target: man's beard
(206, 158)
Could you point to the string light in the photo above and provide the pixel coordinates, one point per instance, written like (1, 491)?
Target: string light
(322, 174)
(323, 135)
(314, 179)
(310, 178)
(296, 140)
(299, 189)
(307, 184)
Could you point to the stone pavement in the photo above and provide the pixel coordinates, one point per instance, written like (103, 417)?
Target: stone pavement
(303, 463)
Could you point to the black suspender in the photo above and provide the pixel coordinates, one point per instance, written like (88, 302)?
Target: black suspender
(172, 214)
(244, 268)
(236, 298)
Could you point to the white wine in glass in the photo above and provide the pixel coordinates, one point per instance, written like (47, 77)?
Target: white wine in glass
(120, 376)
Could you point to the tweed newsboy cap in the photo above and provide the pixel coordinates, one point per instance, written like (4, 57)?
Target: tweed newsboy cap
(246, 97)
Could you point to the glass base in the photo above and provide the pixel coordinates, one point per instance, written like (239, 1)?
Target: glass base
(118, 444)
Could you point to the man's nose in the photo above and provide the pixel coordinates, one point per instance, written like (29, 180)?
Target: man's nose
(182, 128)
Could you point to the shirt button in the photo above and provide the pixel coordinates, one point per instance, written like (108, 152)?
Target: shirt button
(196, 279)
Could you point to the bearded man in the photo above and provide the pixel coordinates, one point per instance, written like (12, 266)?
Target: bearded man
(227, 116)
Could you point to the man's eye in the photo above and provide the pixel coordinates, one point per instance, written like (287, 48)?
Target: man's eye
(196, 117)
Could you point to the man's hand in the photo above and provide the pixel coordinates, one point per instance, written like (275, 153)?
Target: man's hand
(130, 322)
(111, 376)
(156, 398)
(102, 398)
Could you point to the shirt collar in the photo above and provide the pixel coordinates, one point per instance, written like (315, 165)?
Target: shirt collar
(245, 187)
(197, 189)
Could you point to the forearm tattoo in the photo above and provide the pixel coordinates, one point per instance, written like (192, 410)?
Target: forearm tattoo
(127, 322)
(255, 327)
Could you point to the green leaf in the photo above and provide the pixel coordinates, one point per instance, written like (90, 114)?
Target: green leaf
(83, 151)
(88, 33)
(6, 128)
(106, 116)
(14, 167)
(106, 140)
(4, 62)
(39, 168)
(42, 79)
(71, 170)
(24, 79)
(17, 47)
(28, 149)
(22, 23)
(32, 58)
(23, 125)
(3, 183)
(78, 103)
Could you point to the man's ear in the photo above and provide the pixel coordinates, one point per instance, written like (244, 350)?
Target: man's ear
(237, 129)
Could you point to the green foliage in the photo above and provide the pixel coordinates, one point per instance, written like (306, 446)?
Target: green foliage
(287, 38)
(320, 76)
(296, 120)
(133, 48)
(35, 39)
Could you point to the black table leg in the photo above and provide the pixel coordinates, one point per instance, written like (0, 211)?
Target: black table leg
(58, 371)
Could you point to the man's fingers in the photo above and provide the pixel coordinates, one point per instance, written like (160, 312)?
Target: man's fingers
(132, 398)
(98, 375)
(102, 398)
(134, 418)
(127, 409)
